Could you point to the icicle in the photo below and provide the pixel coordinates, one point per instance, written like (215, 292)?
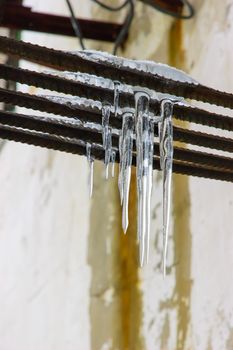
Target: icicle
(149, 184)
(122, 136)
(120, 186)
(142, 141)
(113, 159)
(108, 151)
(127, 152)
(106, 109)
(90, 161)
(116, 96)
(107, 136)
(166, 159)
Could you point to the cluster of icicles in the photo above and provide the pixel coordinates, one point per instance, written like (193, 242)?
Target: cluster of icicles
(137, 127)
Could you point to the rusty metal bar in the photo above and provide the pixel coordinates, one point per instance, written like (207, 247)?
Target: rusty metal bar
(19, 17)
(56, 143)
(53, 127)
(68, 86)
(67, 61)
(44, 105)
(58, 134)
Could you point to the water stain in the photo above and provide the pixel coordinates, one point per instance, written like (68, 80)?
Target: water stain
(118, 320)
(229, 342)
(181, 220)
(165, 334)
(131, 300)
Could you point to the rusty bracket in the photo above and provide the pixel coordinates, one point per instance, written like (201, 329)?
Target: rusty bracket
(15, 16)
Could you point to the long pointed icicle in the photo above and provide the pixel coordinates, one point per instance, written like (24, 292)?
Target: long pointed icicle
(90, 161)
(149, 183)
(107, 136)
(120, 184)
(108, 151)
(116, 96)
(166, 160)
(113, 160)
(127, 153)
(142, 100)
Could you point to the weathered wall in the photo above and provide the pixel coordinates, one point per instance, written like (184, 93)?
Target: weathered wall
(69, 277)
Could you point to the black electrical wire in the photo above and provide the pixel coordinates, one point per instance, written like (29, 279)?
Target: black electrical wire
(109, 8)
(128, 19)
(75, 24)
(125, 29)
(186, 3)
(127, 23)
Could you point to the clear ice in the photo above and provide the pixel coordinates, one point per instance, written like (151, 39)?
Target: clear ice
(117, 85)
(113, 160)
(126, 154)
(144, 144)
(137, 126)
(107, 136)
(90, 161)
(166, 159)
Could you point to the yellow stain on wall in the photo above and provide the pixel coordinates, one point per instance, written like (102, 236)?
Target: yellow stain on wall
(131, 300)
(181, 219)
(115, 297)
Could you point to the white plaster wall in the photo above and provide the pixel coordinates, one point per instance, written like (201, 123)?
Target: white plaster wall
(208, 49)
(210, 55)
(44, 220)
(44, 224)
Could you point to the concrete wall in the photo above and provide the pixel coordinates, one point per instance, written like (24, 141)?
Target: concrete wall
(69, 278)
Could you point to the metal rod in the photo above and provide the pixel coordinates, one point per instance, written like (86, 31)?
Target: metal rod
(55, 127)
(44, 105)
(23, 18)
(67, 61)
(68, 86)
(53, 142)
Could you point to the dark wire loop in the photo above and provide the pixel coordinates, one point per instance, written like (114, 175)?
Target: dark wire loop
(127, 23)
(75, 25)
(125, 29)
(186, 3)
(109, 8)
(128, 19)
